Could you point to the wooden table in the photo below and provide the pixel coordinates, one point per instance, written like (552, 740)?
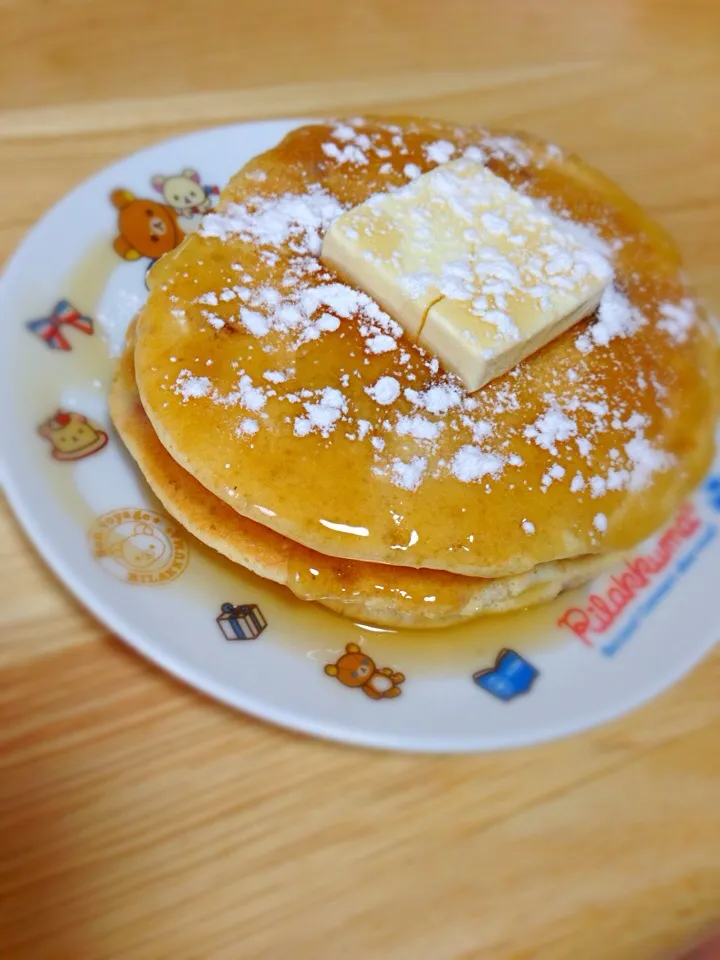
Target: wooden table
(139, 820)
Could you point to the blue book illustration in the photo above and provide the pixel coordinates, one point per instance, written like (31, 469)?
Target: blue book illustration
(713, 489)
(511, 676)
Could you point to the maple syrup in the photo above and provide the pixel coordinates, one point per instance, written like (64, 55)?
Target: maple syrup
(321, 634)
(212, 579)
(369, 452)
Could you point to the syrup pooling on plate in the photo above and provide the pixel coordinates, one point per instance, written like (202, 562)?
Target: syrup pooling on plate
(320, 635)
(379, 593)
(296, 400)
(368, 590)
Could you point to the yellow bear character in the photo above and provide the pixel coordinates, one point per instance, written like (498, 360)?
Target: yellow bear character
(72, 435)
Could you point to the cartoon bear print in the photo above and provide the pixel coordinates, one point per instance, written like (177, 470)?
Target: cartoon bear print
(184, 192)
(356, 669)
(145, 228)
(141, 550)
(72, 436)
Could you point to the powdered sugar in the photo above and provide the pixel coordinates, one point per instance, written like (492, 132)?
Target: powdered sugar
(440, 151)
(343, 132)
(408, 475)
(321, 414)
(577, 484)
(213, 319)
(551, 428)
(335, 296)
(275, 221)
(247, 427)
(598, 486)
(190, 387)
(277, 376)
(678, 319)
(248, 395)
(420, 428)
(645, 461)
(507, 148)
(474, 154)
(256, 322)
(548, 478)
(348, 154)
(380, 343)
(363, 428)
(208, 298)
(481, 429)
(438, 399)
(390, 396)
(616, 318)
(385, 391)
(470, 463)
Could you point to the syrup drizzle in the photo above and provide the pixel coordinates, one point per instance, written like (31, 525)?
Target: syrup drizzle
(211, 579)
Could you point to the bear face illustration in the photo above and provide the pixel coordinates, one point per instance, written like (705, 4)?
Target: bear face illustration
(72, 435)
(356, 669)
(145, 228)
(184, 192)
(141, 550)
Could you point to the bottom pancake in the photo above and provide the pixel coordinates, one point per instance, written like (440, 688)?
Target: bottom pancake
(388, 596)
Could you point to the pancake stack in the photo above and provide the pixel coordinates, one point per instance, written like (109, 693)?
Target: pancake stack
(287, 421)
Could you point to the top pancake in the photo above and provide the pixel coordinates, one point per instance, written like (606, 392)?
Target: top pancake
(261, 373)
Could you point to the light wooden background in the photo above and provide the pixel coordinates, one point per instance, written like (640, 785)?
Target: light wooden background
(137, 819)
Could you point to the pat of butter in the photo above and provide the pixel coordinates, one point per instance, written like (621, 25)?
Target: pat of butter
(472, 269)
(401, 248)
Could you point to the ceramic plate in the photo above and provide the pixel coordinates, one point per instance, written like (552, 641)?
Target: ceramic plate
(65, 301)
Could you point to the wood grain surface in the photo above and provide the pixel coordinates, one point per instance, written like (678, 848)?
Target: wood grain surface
(139, 820)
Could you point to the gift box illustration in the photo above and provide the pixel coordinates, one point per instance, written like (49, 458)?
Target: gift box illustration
(511, 676)
(244, 622)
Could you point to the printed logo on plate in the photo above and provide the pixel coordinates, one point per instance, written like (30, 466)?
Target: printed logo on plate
(713, 491)
(72, 436)
(185, 192)
(53, 328)
(623, 600)
(138, 546)
(145, 227)
(356, 669)
(244, 622)
(149, 228)
(511, 676)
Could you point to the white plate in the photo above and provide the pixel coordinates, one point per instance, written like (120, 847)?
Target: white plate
(99, 527)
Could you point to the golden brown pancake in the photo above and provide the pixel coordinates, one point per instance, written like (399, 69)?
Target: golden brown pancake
(265, 377)
(382, 594)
